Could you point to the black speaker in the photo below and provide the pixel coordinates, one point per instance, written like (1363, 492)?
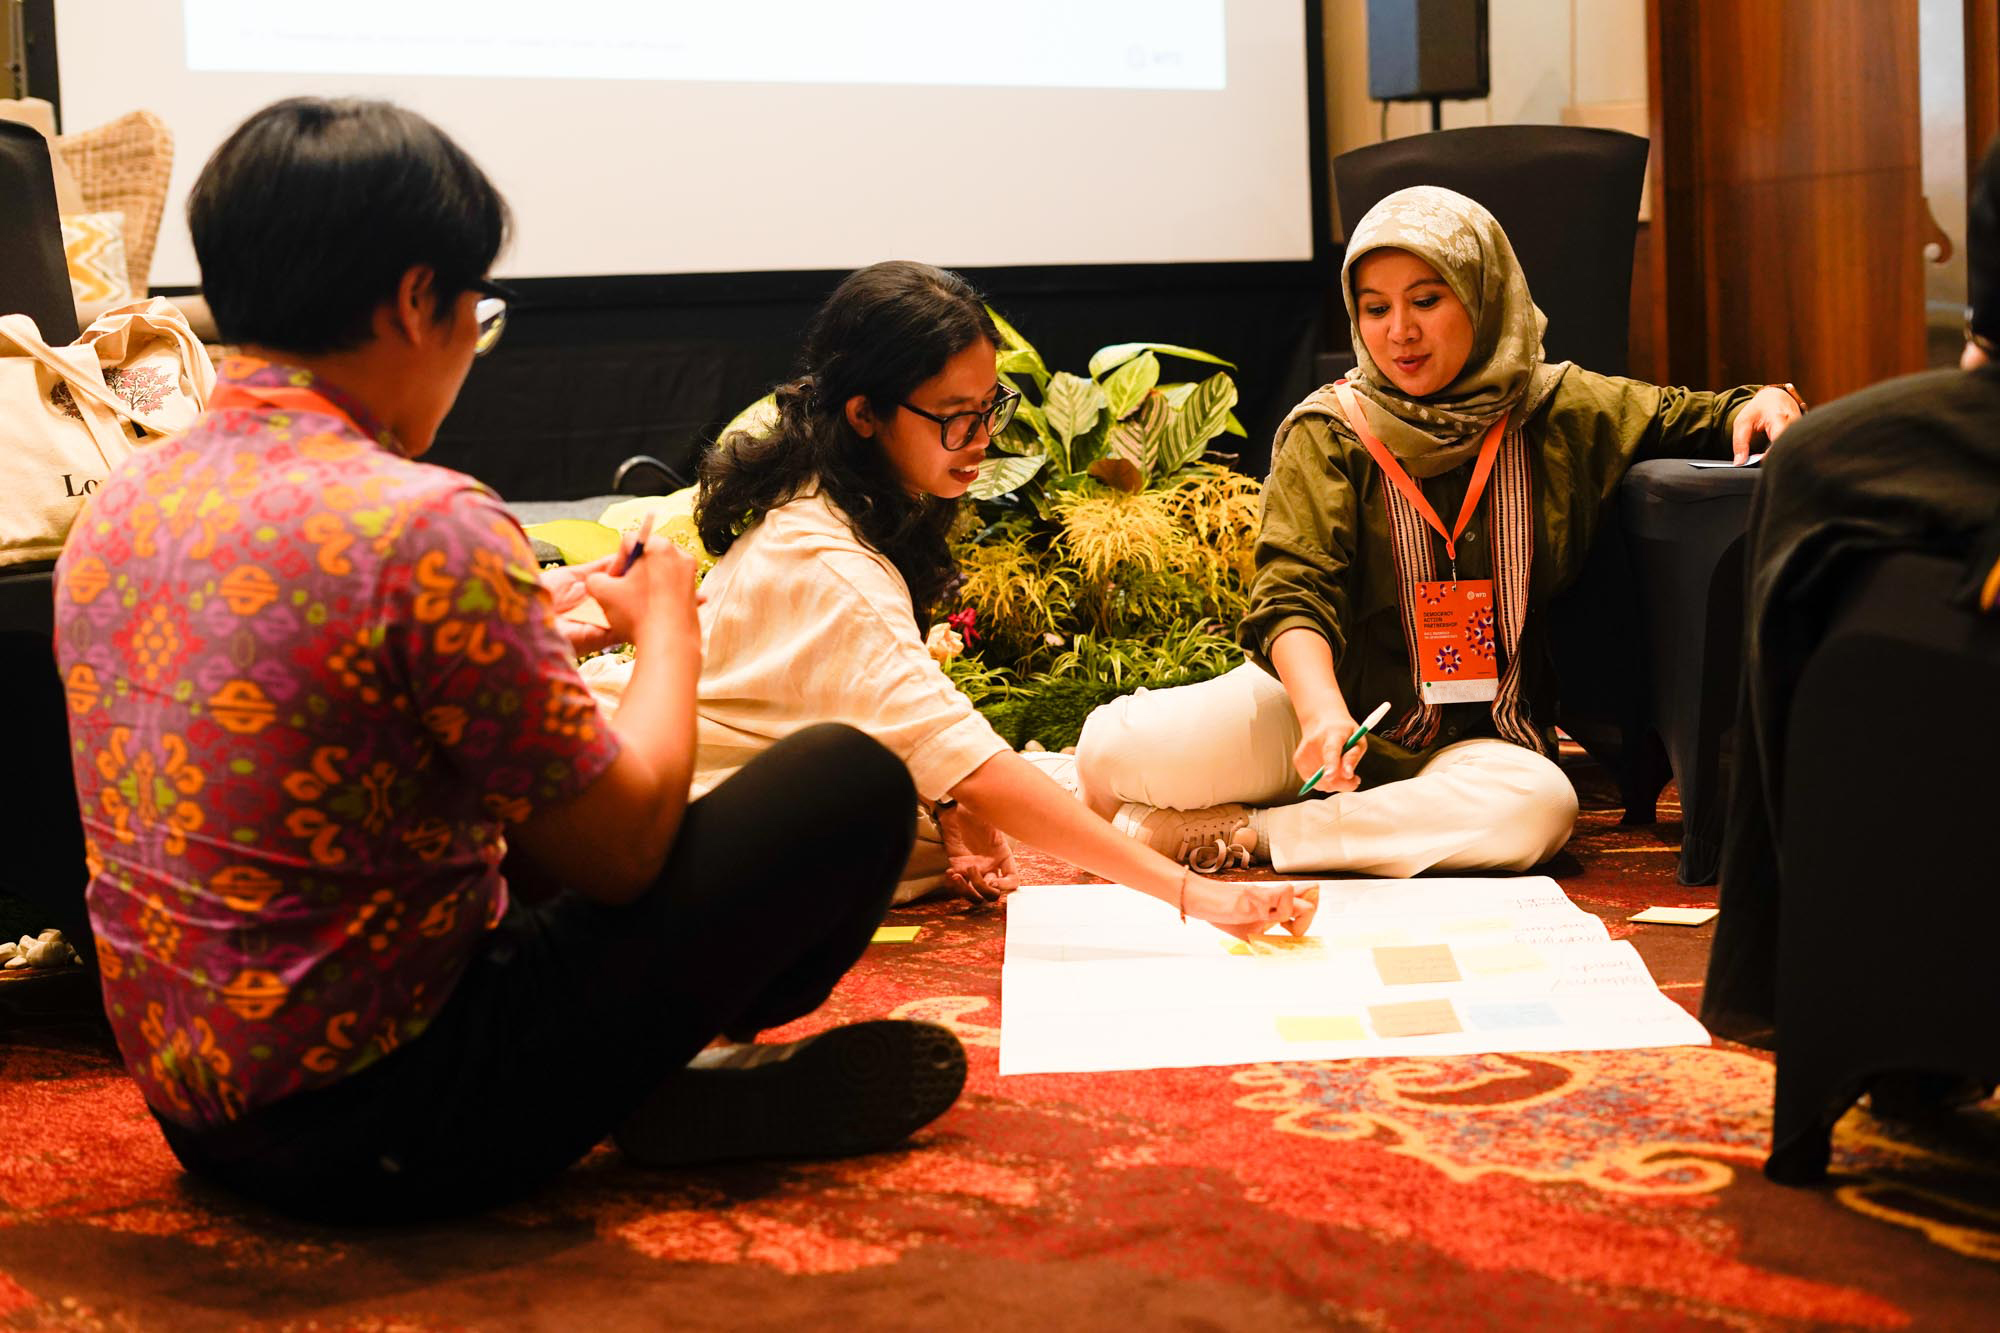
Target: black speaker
(1423, 50)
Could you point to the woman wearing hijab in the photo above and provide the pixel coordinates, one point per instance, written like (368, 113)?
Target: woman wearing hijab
(1418, 517)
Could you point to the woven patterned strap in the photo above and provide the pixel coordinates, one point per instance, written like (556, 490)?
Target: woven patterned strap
(1511, 519)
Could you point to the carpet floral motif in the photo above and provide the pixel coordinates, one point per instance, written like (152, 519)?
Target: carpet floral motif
(1576, 1190)
(1625, 1122)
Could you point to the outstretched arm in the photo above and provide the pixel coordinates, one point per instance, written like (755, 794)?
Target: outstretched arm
(1013, 795)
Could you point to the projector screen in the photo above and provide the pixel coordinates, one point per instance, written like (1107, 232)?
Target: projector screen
(726, 136)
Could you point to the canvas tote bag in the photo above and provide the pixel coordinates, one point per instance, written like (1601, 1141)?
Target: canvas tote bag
(68, 415)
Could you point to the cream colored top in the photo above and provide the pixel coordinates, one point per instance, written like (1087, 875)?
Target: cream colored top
(803, 623)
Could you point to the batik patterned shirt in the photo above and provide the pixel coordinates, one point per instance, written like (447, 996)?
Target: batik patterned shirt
(310, 682)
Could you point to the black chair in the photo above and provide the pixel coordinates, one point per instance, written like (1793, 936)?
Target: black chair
(1685, 528)
(1568, 199)
(1887, 913)
(34, 278)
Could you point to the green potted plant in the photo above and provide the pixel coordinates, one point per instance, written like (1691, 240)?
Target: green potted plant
(1102, 552)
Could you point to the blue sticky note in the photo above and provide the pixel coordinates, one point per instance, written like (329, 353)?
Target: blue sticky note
(1528, 1014)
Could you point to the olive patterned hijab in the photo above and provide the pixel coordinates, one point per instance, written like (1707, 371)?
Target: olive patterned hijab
(1504, 372)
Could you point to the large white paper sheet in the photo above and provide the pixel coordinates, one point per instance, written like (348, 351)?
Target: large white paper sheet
(1098, 977)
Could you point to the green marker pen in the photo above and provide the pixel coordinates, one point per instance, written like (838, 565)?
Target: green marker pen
(1381, 711)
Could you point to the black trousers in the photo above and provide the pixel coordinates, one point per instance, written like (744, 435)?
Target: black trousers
(572, 1011)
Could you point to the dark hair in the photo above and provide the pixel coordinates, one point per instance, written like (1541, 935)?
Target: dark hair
(309, 214)
(884, 331)
(1982, 248)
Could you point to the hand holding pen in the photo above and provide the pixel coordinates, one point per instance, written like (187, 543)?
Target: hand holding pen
(638, 548)
(657, 595)
(1360, 733)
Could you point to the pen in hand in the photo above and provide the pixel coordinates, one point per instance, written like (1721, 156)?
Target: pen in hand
(631, 557)
(1381, 711)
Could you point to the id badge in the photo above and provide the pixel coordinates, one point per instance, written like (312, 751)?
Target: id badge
(1456, 645)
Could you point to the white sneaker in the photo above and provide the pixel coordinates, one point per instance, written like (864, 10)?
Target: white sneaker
(1203, 840)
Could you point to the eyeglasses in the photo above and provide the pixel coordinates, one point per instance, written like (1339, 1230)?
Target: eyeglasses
(955, 432)
(490, 313)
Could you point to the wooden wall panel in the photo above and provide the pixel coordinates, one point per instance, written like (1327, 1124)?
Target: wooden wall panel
(1788, 234)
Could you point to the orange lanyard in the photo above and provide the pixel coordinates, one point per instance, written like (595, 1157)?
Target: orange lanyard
(285, 398)
(1489, 450)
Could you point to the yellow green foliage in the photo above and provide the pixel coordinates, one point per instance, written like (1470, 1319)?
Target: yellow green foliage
(1019, 599)
(1220, 511)
(1105, 531)
(1115, 587)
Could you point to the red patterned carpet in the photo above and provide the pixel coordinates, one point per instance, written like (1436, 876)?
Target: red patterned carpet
(1576, 1191)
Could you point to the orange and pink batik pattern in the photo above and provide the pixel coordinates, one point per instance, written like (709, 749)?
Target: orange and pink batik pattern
(310, 681)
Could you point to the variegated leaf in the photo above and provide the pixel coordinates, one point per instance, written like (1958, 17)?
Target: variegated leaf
(1008, 334)
(1071, 405)
(1199, 420)
(1232, 426)
(1002, 473)
(1132, 439)
(1022, 361)
(1119, 353)
(1126, 387)
(1018, 438)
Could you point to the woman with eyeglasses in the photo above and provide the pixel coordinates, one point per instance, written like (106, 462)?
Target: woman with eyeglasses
(317, 691)
(831, 531)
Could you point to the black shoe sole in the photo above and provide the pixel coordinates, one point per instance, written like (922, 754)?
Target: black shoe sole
(855, 1089)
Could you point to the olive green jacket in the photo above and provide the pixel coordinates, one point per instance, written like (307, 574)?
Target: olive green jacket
(1325, 559)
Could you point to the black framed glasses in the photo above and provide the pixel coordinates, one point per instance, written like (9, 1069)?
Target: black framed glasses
(956, 431)
(491, 313)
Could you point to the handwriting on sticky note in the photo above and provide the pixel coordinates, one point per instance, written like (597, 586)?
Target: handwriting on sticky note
(1416, 964)
(1320, 1027)
(1421, 1018)
(1676, 916)
(894, 934)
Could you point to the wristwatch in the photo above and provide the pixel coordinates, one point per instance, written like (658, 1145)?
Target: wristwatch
(940, 805)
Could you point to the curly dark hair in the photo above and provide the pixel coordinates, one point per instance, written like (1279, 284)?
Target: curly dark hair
(885, 330)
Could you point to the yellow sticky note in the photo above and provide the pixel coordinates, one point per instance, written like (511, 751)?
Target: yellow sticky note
(1493, 960)
(1320, 1027)
(1420, 1018)
(1416, 964)
(1677, 916)
(1266, 945)
(894, 934)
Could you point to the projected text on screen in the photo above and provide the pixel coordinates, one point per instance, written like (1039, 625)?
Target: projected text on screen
(1137, 44)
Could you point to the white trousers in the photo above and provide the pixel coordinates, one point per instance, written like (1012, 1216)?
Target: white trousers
(1477, 805)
